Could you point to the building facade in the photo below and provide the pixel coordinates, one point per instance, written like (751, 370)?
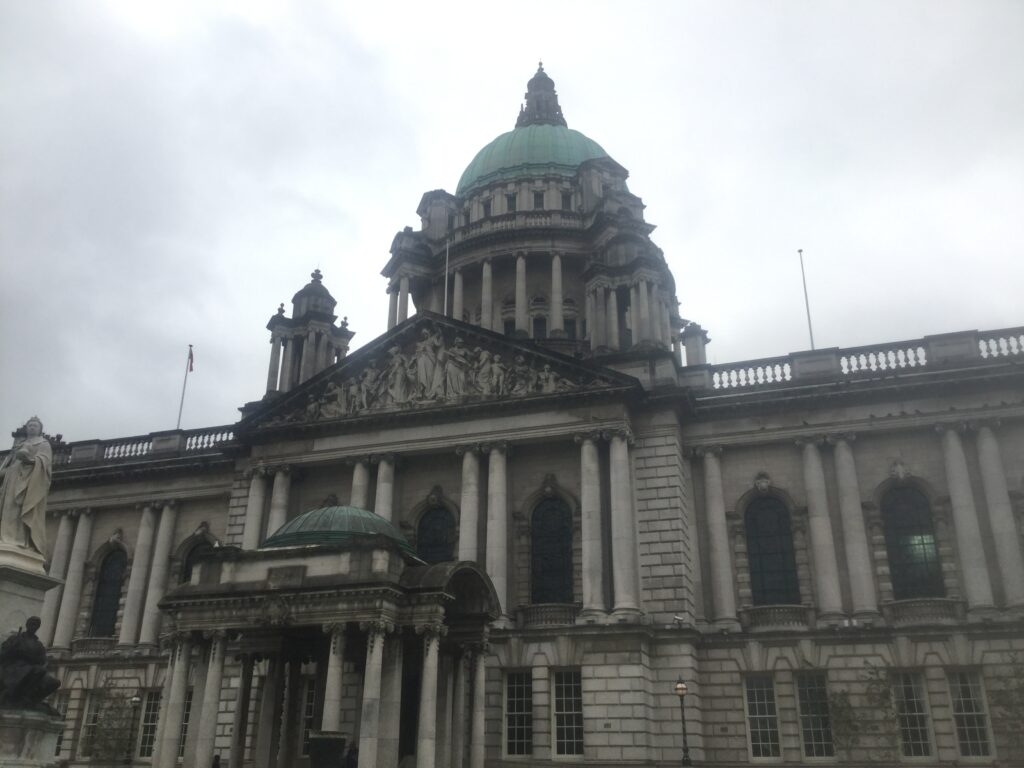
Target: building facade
(500, 533)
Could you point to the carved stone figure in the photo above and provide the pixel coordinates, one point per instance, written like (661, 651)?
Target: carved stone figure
(524, 378)
(426, 361)
(484, 372)
(26, 474)
(397, 379)
(456, 362)
(368, 387)
(499, 376)
(548, 380)
(24, 681)
(333, 403)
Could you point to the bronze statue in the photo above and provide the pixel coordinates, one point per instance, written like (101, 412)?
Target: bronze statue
(24, 681)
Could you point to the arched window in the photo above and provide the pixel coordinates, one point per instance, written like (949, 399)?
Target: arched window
(108, 593)
(435, 535)
(910, 543)
(773, 579)
(551, 547)
(192, 559)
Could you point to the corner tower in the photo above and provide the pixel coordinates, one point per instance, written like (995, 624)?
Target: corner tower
(543, 240)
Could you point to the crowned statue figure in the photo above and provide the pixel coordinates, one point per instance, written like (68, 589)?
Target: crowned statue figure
(24, 485)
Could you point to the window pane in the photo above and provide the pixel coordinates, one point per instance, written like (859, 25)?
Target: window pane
(551, 561)
(969, 714)
(762, 719)
(509, 327)
(815, 723)
(183, 733)
(510, 202)
(518, 713)
(568, 713)
(540, 327)
(773, 579)
(911, 714)
(538, 200)
(92, 713)
(108, 594)
(487, 208)
(60, 703)
(570, 328)
(147, 730)
(435, 535)
(567, 201)
(910, 544)
(309, 707)
(192, 559)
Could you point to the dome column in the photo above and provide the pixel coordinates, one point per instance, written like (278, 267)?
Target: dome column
(278, 514)
(383, 502)
(360, 484)
(457, 295)
(275, 362)
(392, 307)
(403, 299)
(645, 312)
(613, 319)
(486, 297)
(557, 313)
(522, 316)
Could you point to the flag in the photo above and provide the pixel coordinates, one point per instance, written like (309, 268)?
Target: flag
(191, 359)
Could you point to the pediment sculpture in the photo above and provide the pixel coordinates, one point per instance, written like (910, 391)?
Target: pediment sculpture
(438, 367)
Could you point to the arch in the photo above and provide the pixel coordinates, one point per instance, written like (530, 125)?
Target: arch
(551, 561)
(192, 557)
(435, 526)
(772, 562)
(109, 582)
(468, 585)
(911, 547)
(188, 552)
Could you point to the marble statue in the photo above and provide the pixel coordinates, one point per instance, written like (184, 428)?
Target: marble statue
(24, 681)
(24, 487)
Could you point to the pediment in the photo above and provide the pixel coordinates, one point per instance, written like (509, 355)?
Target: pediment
(431, 362)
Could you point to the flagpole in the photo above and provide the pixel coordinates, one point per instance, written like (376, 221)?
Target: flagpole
(807, 303)
(188, 367)
(447, 245)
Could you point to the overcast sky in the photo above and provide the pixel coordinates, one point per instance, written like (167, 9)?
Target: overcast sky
(170, 172)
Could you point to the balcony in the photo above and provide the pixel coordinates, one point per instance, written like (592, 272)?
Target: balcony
(92, 646)
(924, 611)
(776, 618)
(547, 615)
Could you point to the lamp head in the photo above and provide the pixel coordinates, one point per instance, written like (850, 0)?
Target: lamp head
(680, 688)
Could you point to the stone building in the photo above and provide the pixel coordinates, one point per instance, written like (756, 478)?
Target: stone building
(500, 533)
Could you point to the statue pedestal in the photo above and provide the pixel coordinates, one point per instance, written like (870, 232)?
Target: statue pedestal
(23, 582)
(28, 738)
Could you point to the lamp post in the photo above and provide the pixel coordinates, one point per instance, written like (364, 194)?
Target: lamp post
(680, 689)
(135, 702)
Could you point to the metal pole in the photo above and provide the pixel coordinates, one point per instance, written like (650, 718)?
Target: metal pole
(807, 303)
(181, 405)
(686, 745)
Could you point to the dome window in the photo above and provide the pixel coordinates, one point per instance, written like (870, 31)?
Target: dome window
(538, 201)
(487, 209)
(510, 203)
(567, 201)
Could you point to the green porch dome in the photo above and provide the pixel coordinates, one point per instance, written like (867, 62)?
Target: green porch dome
(335, 525)
(532, 150)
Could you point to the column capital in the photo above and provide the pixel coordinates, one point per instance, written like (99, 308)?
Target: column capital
(623, 432)
(213, 635)
(351, 461)
(377, 458)
(989, 424)
(431, 630)
(377, 627)
(702, 451)
(168, 503)
(462, 450)
(499, 446)
(593, 437)
(284, 469)
(333, 628)
(956, 427)
(814, 440)
(832, 438)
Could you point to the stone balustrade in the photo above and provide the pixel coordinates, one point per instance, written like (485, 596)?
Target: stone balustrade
(931, 353)
(93, 646)
(547, 615)
(775, 618)
(518, 221)
(924, 611)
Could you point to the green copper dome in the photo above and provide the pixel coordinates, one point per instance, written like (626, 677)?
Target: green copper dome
(335, 525)
(534, 150)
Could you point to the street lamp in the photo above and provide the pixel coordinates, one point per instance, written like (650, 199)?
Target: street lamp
(135, 702)
(680, 689)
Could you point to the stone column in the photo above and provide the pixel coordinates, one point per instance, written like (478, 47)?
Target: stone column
(173, 709)
(613, 319)
(58, 569)
(592, 567)
(600, 318)
(522, 313)
(855, 538)
(211, 700)
(444, 711)
(268, 731)
(392, 307)
(308, 354)
(253, 529)
(654, 311)
(977, 587)
(390, 702)
(497, 522)
(403, 299)
(384, 500)
(331, 720)
(589, 299)
(722, 592)
(426, 735)
(476, 732)
(557, 308)
(158, 574)
(360, 484)
(823, 546)
(369, 719)
(286, 381)
(634, 311)
(1000, 515)
(291, 719)
(486, 297)
(625, 570)
(645, 311)
(240, 726)
(458, 710)
(67, 617)
(457, 295)
(133, 601)
(278, 514)
(469, 500)
(275, 363)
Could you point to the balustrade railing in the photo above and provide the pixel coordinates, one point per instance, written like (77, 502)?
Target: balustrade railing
(548, 614)
(887, 358)
(154, 445)
(1004, 343)
(753, 373)
(771, 618)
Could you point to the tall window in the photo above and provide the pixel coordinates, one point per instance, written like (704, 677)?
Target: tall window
(540, 327)
(911, 714)
(567, 201)
(815, 722)
(538, 200)
(192, 559)
(185, 716)
(762, 717)
(773, 579)
(568, 712)
(910, 544)
(570, 328)
(308, 713)
(969, 714)
(147, 729)
(435, 535)
(89, 723)
(487, 209)
(551, 547)
(510, 202)
(60, 703)
(108, 593)
(518, 713)
(509, 326)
